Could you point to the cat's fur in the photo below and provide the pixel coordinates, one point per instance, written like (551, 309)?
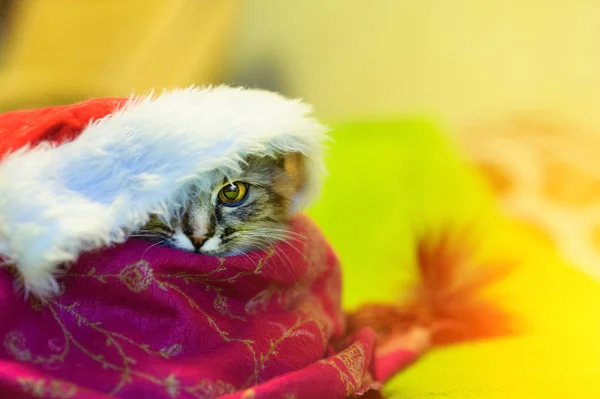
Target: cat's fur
(209, 227)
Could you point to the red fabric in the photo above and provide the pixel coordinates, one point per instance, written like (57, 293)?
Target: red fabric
(142, 321)
(52, 124)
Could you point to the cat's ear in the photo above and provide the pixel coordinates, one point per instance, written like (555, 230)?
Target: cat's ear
(293, 164)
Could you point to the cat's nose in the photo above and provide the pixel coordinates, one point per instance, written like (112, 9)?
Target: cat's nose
(197, 241)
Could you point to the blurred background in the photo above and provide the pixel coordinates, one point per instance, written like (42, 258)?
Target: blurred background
(468, 111)
(460, 60)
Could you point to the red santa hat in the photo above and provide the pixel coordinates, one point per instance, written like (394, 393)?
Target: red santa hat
(81, 177)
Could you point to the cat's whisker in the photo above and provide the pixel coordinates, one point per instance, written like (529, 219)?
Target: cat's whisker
(282, 256)
(278, 238)
(254, 262)
(152, 246)
(265, 237)
(262, 243)
(283, 262)
(146, 235)
(272, 243)
(286, 231)
(264, 233)
(157, 231)
(280, 232)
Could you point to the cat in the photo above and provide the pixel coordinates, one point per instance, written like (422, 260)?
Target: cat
(241, 214)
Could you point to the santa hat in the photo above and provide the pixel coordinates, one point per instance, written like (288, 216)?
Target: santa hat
(81, 177)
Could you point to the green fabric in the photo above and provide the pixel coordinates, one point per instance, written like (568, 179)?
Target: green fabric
(390, 180)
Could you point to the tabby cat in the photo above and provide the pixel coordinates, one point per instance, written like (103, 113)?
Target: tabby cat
(241, 214)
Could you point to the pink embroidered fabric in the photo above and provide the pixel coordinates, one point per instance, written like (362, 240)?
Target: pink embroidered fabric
(143, 321)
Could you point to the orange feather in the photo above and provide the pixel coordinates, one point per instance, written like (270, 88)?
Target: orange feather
(449, 298)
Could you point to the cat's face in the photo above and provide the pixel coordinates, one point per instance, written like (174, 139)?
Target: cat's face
(246, 213)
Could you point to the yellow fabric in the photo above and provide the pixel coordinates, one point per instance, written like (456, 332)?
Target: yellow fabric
(388, 181)
(62, 51)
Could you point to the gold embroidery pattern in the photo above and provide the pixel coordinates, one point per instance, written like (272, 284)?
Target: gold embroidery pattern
(119, 353)
(44, 388)
(313, 308)
(210, 389)
(292, 331)
(14, 343)
(351, 369)
(137, 276)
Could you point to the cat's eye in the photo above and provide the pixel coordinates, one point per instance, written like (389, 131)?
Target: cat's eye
(233, 194)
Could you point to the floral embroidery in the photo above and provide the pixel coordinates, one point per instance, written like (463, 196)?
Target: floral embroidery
(137, 276)
(44, 388)
(211, 389)
(171, 351)
(353, 359)
(172, 385)
(352, 366)
(14, 343)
